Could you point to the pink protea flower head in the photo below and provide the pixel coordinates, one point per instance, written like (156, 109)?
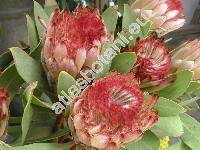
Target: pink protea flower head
(73, 40)
(188, 58)
(111, 112)
(153, 61)
(4, 99)
(166, 15)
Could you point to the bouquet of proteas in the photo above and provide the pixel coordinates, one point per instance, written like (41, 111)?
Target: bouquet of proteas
(106, 81)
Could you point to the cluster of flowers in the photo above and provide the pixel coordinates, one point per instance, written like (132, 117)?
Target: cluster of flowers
(112, 111)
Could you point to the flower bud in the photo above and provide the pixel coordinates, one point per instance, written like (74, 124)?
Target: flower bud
(73, 40)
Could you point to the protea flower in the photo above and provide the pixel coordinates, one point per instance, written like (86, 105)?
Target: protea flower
(188, 57)
(4, 98)
(73, 40)
(111, 112)
(153, 61)
(166, 15)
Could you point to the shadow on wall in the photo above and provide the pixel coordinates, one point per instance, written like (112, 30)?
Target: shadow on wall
(13, 21)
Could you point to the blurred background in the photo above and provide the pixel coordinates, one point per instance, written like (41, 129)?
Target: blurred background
(13, 21)
(13, 29)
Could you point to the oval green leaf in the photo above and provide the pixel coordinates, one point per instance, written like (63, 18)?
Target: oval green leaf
(129, 17)
(179, 146)
(28, 68)
(191, 136)
(55, 135)
(50, 6)
(149, 142)
(166, 107)
(28, 111)
(40, 12)
(40, 103)
(194, 88)
(110, 17)
(106, 66)
(65, 81)
(169, 126)
(32, 33)
(39, 146)
(179, 87)
(124, 62)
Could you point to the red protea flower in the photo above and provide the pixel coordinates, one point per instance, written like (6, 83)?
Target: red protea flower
(73, 40)
(111, 112)
(166, 15)
(4, 98)
(153, 61)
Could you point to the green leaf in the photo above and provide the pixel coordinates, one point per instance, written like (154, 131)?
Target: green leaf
(32, 33)
(40, 146)
(194, 88)
(28, 111)
(179, 146)
(129, 17)
(166, 107)
(189, 101)
(11, 80)
(192, 106)
(50, 6)
(124, 62)
(36, 53)
(148, 142)
(106, 67)
(40, 12)
(110, 17)
(169, 126)
(191, 136)
(65, 81)
(5, 60)
(146, 29)
(35, 133)
(179, 87)
(41, 114)
(60, 133)
(130, 26)
(40, 103)
(28, 68)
